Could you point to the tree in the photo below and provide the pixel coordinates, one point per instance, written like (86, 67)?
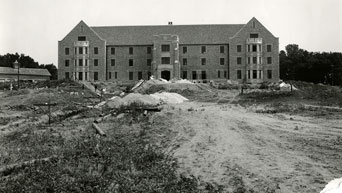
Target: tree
(26, 62)
(316, 67)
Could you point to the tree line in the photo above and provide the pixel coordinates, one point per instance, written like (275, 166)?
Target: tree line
(316, 67)
(26, 62)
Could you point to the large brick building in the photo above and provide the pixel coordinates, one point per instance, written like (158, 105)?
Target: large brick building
(239, 52)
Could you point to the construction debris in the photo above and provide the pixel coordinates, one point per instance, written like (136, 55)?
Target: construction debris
(98, 129)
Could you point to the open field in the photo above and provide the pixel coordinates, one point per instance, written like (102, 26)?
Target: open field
(218, 141)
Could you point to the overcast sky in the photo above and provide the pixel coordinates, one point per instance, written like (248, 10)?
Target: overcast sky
(34, 27)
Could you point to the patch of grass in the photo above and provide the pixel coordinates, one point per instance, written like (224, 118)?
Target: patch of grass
(122, 162)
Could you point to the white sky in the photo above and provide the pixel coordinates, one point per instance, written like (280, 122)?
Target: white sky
(34, 27)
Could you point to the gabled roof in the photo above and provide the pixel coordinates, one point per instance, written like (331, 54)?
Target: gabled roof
(25, 71)
(188, 34)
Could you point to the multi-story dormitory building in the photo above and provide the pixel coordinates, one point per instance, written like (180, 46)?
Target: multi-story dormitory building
(238, 52)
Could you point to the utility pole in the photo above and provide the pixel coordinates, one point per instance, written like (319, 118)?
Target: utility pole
(17, 65)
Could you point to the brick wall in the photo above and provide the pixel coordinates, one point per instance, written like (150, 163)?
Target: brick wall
(254, 26)
(212, 55)
(94, 41)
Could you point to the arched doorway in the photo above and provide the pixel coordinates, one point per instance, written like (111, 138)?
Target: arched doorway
(166, 74)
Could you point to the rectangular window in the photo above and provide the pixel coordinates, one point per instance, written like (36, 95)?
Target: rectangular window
(203, 49)
(80, 62)
(86, 50)
(194, 75)
(116, 75)
(185, 50)
(140, 76)
(75, 50)
(149, 74)
(130, 50)
(67, 63)
(80, 76)
(248, 74)
(204, 75)
(165, 60)
(239, 75)
(67, 51)
(260, 74)
(253, 35)
(149, 62)
(185, 61)
(254, 48)
(80, 50)
(203, 61)
(149, 50)
(221, 61)
(269, 48)
(81, 38)
(67, 76)
(219, 74)
(225, 73)
(86, 62)
(269, 60)
(96, 50)
(96, 76)
(248, 48)
(185, 74)
(96, 62)
(221, 49)
(269, 74)
(86, 76)
(130, 75)
(249, 60)
(254, 74)
(130, 62)
(112, 51)
(254, 60)
(239, 60)
(165, 47)
(238, 48)
(109, 75)
(112, 62)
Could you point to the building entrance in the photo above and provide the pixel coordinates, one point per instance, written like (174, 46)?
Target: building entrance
(166, 74)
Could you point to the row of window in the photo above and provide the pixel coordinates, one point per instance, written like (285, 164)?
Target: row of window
(251, 74)
(164, 48)
(254, 48)
(254, 60)
(81, 50)
(164, 60)
(254, 74)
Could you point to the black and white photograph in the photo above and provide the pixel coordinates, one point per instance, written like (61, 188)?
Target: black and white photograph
(160, 96)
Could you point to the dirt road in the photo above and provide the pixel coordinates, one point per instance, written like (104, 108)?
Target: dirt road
(222, 143)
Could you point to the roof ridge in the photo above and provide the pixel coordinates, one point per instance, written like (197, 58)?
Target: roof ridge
(167, 25)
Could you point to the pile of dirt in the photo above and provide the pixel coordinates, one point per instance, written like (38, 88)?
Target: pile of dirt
(173, 98)
(149, 100)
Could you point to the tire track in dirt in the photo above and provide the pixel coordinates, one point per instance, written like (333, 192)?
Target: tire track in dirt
(228, 141)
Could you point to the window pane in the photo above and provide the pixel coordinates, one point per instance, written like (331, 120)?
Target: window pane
(239, 60)
(165, 48)
(185, 50)
(185, 61)
(130, 50)
(112, 51)
(221, 61)
(203, 49)
(165, 60)
(203, 61)
(221, 49)
(81, 38)
(238, 48)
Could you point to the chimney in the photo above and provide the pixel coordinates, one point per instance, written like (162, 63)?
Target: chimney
(170, 22)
